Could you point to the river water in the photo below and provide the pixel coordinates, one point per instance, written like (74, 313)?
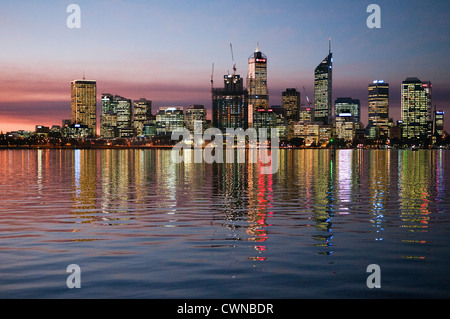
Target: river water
(139, 225)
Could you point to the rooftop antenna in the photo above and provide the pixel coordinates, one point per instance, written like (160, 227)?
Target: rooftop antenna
(329, 45)
(212, 76)
(257, 46)
(83, 76)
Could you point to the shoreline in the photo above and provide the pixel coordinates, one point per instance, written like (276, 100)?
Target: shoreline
(125, 147)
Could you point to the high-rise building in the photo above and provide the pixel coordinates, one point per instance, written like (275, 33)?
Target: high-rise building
(414, 109)
(116, 116)
(439, 122)
(379, 108)
(348, 107)
(84, 103)
(108, 119)
(142, 114)
(124, 114)
(290, 101)
(323, 89)
(272, 119)
(428, 87)
(230, 104)
(195, 118)
(258, 94)
(169, 119)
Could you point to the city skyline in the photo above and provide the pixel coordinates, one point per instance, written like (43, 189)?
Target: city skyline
(35, 89)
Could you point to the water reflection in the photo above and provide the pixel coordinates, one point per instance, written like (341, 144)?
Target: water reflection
(140, 190)
(379, 182)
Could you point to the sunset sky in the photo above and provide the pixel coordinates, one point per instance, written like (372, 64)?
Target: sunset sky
(163, 50)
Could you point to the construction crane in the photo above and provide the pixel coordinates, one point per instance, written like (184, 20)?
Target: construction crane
(306, 96)
(232, 57)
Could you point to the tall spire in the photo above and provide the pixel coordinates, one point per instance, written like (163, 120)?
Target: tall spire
(257, 46)
(329, 45)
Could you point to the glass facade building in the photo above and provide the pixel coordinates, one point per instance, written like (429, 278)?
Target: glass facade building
(169, 119)
(414, 109)
(116, 117)
(323, 90)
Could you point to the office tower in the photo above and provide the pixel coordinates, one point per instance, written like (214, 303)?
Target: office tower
(323, 89)
(427, 86)
(169, 119)
(116, 116)
(306, 114)
(195, 118)
(348, 107)
(124, 115)
(273, 118)
(439, 122)
(379, 108)
(142, 114)
(230, 104)
(108, 118)
(258, 95)
(84, 103)
(414, 109)
(290, 101)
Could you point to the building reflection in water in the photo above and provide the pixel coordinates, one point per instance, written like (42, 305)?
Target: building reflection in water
(379, 182)
(324, 197)
(260, 206)
(313, 188)
(84, 192)
(440, 181)
(420, 182)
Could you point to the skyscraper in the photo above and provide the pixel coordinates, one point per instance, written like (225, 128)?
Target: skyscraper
(323, 89)
(414, 109)
(230, 107)
(124, 115)
(142, 114)
(290, 101)
(379, 108)
(116, 116)
(108, 119)
(84, 103)
(258, 95)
